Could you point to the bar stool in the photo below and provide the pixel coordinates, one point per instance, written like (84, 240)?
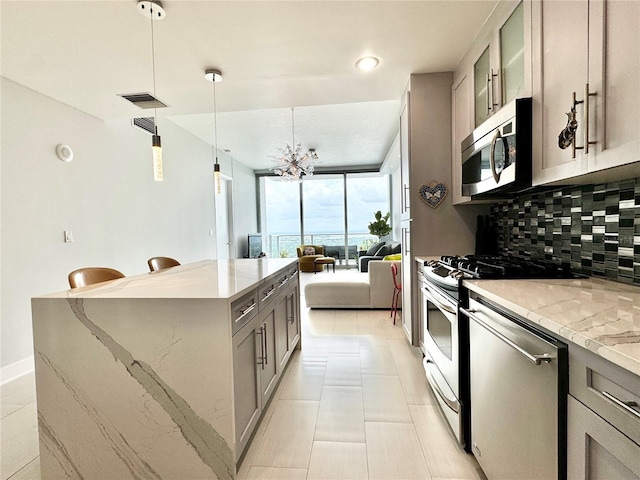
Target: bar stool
(159, 263)
(91, 275)
(397, 288)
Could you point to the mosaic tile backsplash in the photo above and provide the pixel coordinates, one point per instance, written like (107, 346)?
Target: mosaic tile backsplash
(593, 228)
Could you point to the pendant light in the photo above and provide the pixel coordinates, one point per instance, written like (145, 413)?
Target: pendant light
(215, 76)
(293, 164)
(154, 11)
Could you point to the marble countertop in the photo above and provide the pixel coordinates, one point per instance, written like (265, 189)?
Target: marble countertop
(599, 315)
(213, 279)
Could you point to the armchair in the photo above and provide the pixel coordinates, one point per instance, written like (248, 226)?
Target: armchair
(306, 259)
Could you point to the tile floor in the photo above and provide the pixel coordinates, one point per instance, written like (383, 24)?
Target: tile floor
(353, 404)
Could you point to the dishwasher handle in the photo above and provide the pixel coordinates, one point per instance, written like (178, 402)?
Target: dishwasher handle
(535, 359)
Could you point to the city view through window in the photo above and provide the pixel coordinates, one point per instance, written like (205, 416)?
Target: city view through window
(331, 210)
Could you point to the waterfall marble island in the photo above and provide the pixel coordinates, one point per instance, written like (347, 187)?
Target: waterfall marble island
(162, 375)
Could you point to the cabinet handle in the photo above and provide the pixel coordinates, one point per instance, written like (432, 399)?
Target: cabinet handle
(406, 202)
(284, 281)
(626, 406)
(488, 102)
(269, 293)
(584, 147)
(266, 350)
(261, 358)
(493, 97)
(290, 308)
(247, 310)
(490, 97)
(587, 94)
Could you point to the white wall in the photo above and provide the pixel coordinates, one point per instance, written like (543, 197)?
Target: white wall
(119, 216)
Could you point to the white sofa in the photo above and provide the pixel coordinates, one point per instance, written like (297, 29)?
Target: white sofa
(373, 289)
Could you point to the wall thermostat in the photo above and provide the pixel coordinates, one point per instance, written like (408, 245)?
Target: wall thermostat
(64, 153)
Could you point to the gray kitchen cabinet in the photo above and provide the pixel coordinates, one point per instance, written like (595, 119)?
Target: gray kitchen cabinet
(269, 368)
(247, 356)
(405, 236)
(603, 424)
(596, 450)
(405, 156)
(462, 126)
(282, 331)
(586, 57)
(494, 71)
(293, 314)
(500, 57)
(262, 348)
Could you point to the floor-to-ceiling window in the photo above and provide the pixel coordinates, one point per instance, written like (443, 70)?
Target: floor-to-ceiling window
(280, 216)
(333, 210)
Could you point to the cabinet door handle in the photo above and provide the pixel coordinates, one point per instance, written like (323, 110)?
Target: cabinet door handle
(290, 308)
(266, 350)
(487, 80)
(626, 406)
(587, 94)
(586, 102)
(406, 202)
(261, 357)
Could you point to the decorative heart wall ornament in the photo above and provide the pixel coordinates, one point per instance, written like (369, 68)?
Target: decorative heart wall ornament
(433, 194)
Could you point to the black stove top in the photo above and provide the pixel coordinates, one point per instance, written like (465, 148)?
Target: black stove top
(490, 266)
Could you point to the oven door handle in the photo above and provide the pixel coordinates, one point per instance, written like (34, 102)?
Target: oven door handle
(438, 299)
(452, 404)
(535, 359)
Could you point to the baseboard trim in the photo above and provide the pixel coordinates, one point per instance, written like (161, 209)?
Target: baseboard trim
(16, 370)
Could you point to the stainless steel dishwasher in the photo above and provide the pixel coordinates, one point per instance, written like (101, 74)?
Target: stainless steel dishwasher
(518, 391)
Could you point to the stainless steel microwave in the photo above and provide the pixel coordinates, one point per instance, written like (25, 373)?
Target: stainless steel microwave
(496, 157)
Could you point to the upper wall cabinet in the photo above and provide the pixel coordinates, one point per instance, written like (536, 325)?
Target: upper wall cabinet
(494, 71)
(498, 73)
(586, 64)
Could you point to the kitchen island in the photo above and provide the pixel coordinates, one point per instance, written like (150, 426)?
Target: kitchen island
(165, 374)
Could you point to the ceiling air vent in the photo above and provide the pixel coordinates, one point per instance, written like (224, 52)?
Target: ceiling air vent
(146, 124)
(143, 100)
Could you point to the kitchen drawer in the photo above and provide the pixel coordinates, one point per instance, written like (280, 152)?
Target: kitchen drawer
(596, 450)
(610, 391)
(267, 291)
(244, 309)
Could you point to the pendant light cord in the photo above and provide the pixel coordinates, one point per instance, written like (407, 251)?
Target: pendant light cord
(153, 68)
(293, 129)
(215, 123)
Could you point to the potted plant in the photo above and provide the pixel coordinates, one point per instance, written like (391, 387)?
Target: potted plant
(380, 226)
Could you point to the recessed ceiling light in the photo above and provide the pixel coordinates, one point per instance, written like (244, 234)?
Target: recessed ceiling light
(366, 64)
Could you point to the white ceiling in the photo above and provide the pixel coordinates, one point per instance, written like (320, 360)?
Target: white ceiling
(273, 56)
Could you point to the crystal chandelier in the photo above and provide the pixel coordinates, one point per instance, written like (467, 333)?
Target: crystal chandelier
(292, 164)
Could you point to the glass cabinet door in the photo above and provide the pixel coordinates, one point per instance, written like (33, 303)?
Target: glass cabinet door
(481, 72)
(512, 56)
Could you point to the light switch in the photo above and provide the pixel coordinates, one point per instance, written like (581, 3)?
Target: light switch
(68, 236)
(211, 232)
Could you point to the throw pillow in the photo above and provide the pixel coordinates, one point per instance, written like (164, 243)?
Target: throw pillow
(383, 250)
(394, 256)
(396, 249)
(309, 251)
(374, 248)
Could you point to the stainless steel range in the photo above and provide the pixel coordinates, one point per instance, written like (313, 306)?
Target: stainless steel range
(445, 333)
